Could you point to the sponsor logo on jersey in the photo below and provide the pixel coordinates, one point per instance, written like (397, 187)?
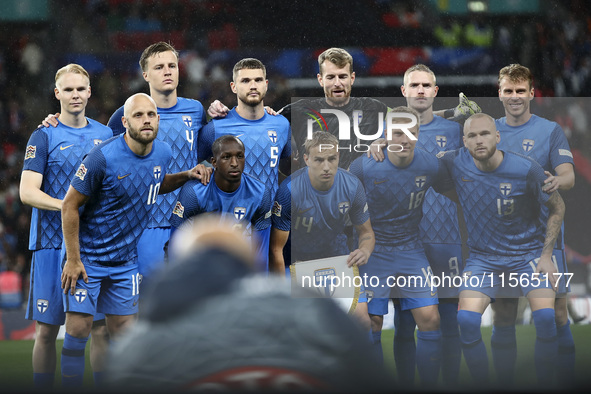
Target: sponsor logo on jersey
(123, 176)
(179, 210)
(376, 182)
(527, 144)
(157, 172)
(441, 141)
(420, 181)
(467, 180)
(97, 142)
(30, 152)
(277, 209)
(66, 147)
(505, 188)
(272, 136)
(323, 280)
(187, 120)
(81, 172)
(300, 211)
(42, 305)
(80, 295)
(344, 207)
(239, 212)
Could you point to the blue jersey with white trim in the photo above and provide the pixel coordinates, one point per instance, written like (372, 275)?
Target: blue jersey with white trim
(249, 205)
(395, 197)
(319, 217)
(122, 189)
(266, 141)
(179, 127)
(56, 153)
(440, 216)
(501, 207)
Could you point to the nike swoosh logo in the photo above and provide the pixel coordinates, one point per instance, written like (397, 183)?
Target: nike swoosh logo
(66, 147)
(123, 176)
(304, 210)
(378, 182)
(467, 180)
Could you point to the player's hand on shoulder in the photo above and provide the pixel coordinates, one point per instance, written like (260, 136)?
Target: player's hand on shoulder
(357, 257)
(73, 269)
(376, 149)
(270, 110)
(201, 172)
(50, 120)
(217, 110)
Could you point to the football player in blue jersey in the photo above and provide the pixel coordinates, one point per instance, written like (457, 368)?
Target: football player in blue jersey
(232, 193)
(267, 138)
(439, 233)
(324, 199)
(116, 185)
(51, 158)
(511, 246)
(181, 119)
(396, 189)
(544, 141)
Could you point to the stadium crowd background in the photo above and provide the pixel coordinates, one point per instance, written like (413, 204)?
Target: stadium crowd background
(464, 47)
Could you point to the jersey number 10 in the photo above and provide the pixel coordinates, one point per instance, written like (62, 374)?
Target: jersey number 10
(153, 194)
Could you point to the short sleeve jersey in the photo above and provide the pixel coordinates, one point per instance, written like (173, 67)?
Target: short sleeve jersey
(502, 207)
(440, 218)
(266, 141)
(319, 217)
(122, 189)
(281, 218)
(179, 127)
(250, 204)
(56, 153)
(395, 197)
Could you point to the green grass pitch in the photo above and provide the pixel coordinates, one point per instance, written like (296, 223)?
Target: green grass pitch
(16, 372)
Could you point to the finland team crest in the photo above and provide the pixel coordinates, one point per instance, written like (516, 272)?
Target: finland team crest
(239, 212)
(42, 305)
(80, 295)
(441, 140)
(527, 145)
(505, 189)
(157, 172)
(323, 279)
(344, 207)
(420, 181)
(188, 121)
(272, 136)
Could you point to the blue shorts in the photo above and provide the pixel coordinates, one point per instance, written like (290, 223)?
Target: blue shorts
(45, 293)
(400, 274)
(378, 306)
(446, 262)
(110, 290)
(150, 250)
(502, 276)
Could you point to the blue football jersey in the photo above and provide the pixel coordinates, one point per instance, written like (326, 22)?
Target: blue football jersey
(502, 208)
(395, 197)
(542, 140)
(266, 141)
(440, 217)
(179, 127)
(319, 217)
(249, 205)
(281, 218)
(123, 187)
(56, 153)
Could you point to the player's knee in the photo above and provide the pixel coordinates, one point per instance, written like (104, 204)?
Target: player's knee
(377, 321)
(469, 323)
(46, 333)
(561, 313)
(428, 321)
(505, 315)
(99, 335)
(544, 320)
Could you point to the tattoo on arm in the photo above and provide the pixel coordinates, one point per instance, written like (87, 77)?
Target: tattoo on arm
(556, 206)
